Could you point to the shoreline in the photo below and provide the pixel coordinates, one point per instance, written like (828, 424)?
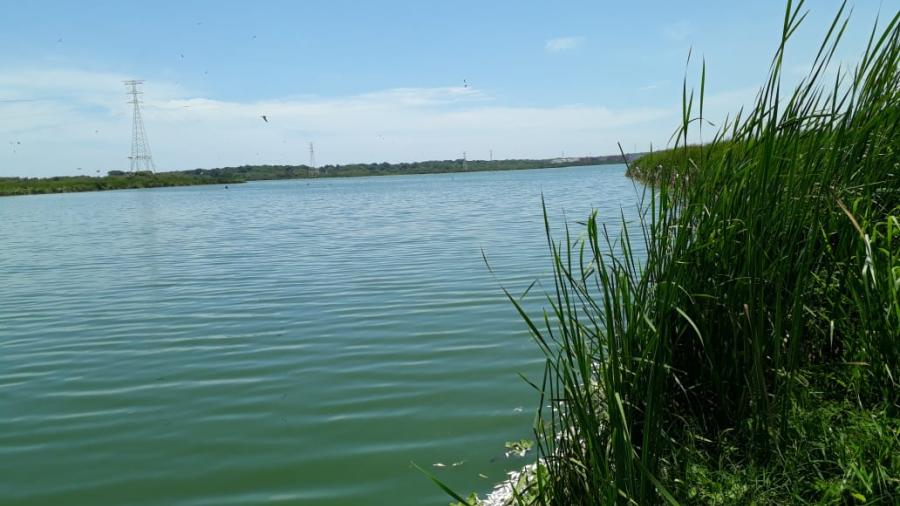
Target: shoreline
(15, 186)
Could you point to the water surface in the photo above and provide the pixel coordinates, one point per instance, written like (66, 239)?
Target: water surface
(276, 342)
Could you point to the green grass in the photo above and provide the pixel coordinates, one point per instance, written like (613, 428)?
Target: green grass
(752, 356)
(652, 166)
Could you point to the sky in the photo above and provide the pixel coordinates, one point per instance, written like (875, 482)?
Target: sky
(373, 81)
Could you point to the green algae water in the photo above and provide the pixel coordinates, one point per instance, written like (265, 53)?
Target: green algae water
(292, 342)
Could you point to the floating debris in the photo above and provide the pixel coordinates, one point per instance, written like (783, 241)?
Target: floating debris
(504, 493)
(518, 448)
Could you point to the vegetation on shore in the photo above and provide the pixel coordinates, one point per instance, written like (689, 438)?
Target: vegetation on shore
(263, 172)
(118, 180)
(115, 181)
(675, 164)
(752, 354)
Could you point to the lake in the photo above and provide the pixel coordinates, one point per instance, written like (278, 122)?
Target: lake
(292, 342)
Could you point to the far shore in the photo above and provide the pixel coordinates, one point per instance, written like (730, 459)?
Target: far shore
(120, 180)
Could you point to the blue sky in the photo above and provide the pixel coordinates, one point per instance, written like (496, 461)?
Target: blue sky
(377, 80)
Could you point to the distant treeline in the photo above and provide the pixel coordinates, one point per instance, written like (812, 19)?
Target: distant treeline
(264, 172)
(116, 180)
(120, 180)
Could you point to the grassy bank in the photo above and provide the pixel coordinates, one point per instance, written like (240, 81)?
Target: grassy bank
(34, 186)
(675, 164)
(752, 356)
(117, 180)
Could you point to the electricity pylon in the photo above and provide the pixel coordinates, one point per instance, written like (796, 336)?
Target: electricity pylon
(141, 158)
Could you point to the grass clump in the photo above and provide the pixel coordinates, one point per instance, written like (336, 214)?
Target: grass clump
(751, 356)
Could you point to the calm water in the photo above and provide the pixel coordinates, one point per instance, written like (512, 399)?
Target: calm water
(276, 342)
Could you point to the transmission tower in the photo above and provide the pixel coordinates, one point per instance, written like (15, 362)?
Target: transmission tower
(141, 158)
(312, 160)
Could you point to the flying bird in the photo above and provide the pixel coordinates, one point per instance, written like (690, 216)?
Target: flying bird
(264, 118)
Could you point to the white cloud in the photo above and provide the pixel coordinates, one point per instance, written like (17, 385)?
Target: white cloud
(653, 86)
(79, 119)
(563, 44)
(678, 31)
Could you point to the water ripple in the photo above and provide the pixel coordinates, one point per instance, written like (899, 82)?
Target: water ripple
(279, 342)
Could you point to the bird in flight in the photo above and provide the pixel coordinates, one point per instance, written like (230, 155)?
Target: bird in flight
(264, 118)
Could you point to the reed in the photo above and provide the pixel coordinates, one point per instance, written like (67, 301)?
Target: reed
(744, 345)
